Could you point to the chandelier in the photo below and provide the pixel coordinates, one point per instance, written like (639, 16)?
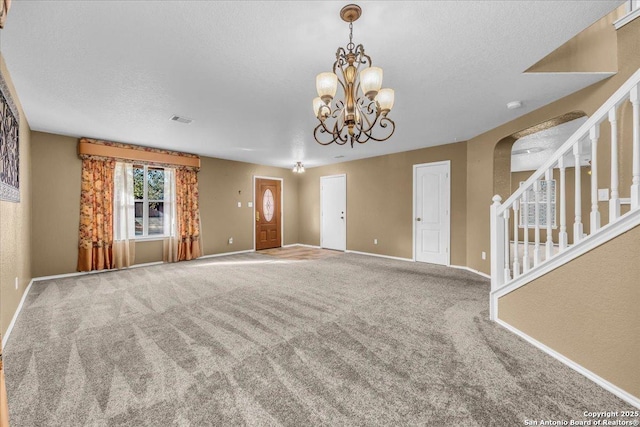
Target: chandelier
(298, 168)
(352, 119)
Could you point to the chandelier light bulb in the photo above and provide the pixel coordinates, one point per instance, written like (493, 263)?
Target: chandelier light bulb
(371, 81)
(317, 105)
(326, 85)
(385, 99)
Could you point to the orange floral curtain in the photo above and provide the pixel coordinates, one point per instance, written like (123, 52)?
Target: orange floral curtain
(96, 215)
(187, 214)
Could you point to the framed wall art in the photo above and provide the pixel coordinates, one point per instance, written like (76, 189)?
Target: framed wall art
(9, 146)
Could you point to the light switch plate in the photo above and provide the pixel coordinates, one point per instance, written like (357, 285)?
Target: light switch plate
(603, 194)
(239, 204)
(250, 204)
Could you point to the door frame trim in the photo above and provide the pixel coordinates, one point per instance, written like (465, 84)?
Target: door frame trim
(345, 203)
(253, 197)
(413, 211)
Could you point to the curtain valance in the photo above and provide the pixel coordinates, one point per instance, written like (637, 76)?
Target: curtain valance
(101, 150)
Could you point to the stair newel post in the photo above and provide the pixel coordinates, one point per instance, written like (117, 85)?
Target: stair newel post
(548, 176)
(634, 97)
(497, 242)
(525, 227)
(516, 257)
(577, 225)
(536, 230)
(614, 201)
(507, 267)
(594, 134)
(562, 235)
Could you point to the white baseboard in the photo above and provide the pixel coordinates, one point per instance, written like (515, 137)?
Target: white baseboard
(462, 267)
(5, 338)
(226, 253)
(379, 255)
(627, 397)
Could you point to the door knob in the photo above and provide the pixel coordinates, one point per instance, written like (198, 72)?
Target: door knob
(418, 219)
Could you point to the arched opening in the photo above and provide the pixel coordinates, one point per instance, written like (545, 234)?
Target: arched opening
(502, 153)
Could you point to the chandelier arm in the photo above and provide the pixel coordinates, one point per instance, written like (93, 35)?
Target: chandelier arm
(385, 122)
(341, 59)
(371, 124)
(321, 130)
(360, 52)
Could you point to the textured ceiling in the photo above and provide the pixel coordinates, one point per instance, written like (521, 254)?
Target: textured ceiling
(530, 152)
(245, 71)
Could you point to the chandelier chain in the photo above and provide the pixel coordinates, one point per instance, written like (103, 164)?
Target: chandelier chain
(350, 46)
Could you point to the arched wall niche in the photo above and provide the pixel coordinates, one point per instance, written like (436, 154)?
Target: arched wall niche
(502, 151)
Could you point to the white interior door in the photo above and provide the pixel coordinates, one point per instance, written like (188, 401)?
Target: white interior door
(432, 212)
(333, 212)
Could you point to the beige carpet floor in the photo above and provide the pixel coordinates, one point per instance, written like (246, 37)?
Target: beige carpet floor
(258, 340)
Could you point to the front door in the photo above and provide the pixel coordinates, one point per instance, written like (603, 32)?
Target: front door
(268, 218)
(333, 202)
(431, 212)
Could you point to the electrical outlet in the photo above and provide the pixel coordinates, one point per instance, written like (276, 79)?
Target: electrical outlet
(16, 283)
(603, 194)
(484, 255)
(375, 241)
(231, 240)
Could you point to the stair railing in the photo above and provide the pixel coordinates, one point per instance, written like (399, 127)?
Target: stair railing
(533, 206)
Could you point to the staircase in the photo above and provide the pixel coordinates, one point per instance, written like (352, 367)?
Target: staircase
(518, 255)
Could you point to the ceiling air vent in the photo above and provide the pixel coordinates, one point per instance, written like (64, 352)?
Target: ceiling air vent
(180, 119)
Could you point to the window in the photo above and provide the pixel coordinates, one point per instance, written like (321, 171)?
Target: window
(149, 200)
(530, 207)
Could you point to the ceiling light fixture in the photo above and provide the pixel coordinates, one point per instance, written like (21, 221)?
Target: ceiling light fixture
(353, 118)
(298, 168)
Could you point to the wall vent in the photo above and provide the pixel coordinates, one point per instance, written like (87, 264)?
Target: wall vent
(179, 119)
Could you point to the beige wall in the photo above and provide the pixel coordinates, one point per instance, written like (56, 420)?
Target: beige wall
(56, 204)
(480, 149)
(224, 183)
(380, 201)
(15, 231)
(589, 51)
(587, 310)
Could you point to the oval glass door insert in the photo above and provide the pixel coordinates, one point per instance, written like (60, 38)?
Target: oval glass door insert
(267, 205)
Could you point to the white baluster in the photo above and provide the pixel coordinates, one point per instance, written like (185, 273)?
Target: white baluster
(516, 258)
(634, 97)
(525, 225)
(614, 201)
(577, 225)
(497, 251)
(548, 176)
(507, 271)
(562, 235)
(536, 230)
(594, 134)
